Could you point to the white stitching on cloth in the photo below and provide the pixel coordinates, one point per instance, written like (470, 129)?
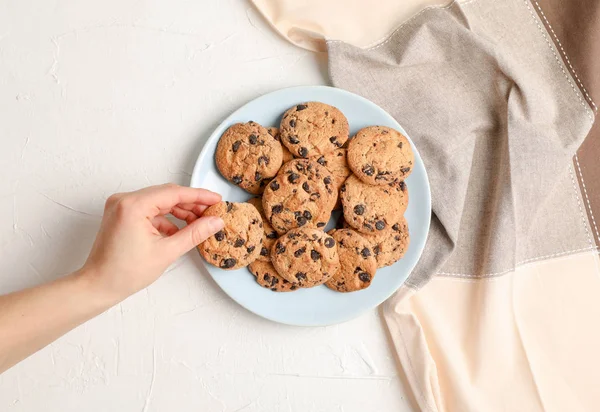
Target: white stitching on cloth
(560, 64)
(577, 194)
(532, 260)
(589, 207)
(566, 57)
(377, 43)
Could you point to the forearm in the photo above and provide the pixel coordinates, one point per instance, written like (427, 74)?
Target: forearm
(33, 318)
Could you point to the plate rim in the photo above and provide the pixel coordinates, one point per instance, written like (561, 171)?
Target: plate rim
(378, 302)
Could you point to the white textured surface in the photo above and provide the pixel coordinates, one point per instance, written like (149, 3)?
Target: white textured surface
(98, 97)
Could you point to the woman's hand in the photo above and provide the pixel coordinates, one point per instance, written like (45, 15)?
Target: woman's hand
(136, 242)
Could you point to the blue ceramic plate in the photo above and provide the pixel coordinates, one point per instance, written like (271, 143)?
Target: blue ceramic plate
(319, 305)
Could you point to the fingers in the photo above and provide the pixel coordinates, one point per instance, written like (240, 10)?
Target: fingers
(161, 199)
(193, 234)
(164, 225)
(188, 212)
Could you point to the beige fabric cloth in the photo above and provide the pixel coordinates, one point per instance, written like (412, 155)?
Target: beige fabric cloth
(362, 23)
(525, 341)
(496, 315)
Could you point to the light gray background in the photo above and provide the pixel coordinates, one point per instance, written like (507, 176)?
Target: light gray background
(98, 97)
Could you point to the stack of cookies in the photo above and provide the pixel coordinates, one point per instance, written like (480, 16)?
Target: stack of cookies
(301, 173)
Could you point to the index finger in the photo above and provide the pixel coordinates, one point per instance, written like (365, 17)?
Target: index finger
(161, 199)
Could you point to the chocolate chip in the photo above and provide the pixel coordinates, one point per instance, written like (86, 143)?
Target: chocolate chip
(301, 276)
(229, 206)
(376, 250)
(293, 287)
(343, 188)
(327, 180)
(320, 224)
(267, 277)
(276, 209)
(292, 123)
(272, 235)
(397, 237)
(329, 242)
(301, 107)
(255, 221)
(239, 243)
(250, 249)
(263, 160)
(236, 180)
(333, 139)
(228, 263)
(299, 252)
(315, 196)
(257, 177)
(252, 139)
(380, 225)
(236, 145)
(396, 227)
(400, 145)
(293, 139)
(279, 248)
(402, 186)
(297, 214)
(274, 185)
(293, 177)
(303, 152)
(368, 226)
(368, 170)
(314, 255)
(365, 252)
(307, 215)
(301, 221)
(405, 169)
(359, 209)
(306, 187)
(292, 235)
(264, 251)
(220, 235)
(364, 276)
(321, 160)
(300, 166)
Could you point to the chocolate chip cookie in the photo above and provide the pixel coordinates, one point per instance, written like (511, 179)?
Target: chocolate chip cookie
(358, 264)
(313, 129)
(315, 172)
(337, 164)
(380, 155)
(248, 156)
(267, 277)
(287, 155)
(269, 234)
(372, 209)
(239, 242)
(299, 196)
(389, 247)
(306, 256)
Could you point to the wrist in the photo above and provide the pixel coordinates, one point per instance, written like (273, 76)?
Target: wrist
(90, 284)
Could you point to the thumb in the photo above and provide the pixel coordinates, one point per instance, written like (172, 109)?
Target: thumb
(193, 234)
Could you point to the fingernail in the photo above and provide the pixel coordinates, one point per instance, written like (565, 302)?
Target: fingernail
(215, 223)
